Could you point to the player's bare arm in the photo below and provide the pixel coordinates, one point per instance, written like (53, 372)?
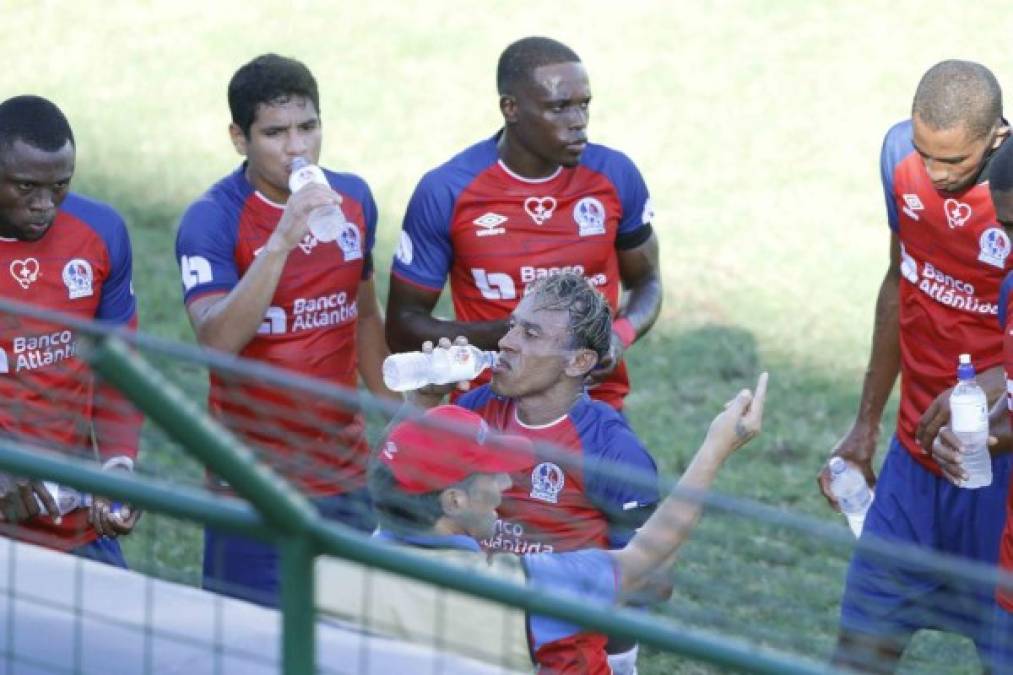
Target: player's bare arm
(640, 272)
(656, 542)
(859, 444)
(410, 321)
(228, 321)
(371, 346)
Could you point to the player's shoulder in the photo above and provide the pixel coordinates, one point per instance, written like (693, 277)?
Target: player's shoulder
(461, 169)
(600, 425)
(599, 157)
(348, 183)
(223, 200)
(100, 217)
(479, 398)
(898, 141)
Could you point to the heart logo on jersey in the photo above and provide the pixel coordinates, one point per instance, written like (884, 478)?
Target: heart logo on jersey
(540, 208)
(957, 213)
(25, 272)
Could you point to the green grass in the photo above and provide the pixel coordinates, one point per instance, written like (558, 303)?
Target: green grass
(757, 126)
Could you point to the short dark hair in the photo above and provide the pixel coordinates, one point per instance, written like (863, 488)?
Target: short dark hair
(517, 63)
(401, 512)
(590, 314)
(1000, 168)
(33, 120)
(265, 80)
(953, 93)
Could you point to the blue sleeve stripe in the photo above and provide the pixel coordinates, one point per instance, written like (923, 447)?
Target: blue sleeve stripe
(897, 145)
(1004, 291)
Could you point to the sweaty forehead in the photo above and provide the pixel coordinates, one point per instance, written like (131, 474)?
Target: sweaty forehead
(560, 81)
(532, 310)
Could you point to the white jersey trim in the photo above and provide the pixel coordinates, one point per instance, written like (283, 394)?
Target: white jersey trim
(539, 426)
(522, 179)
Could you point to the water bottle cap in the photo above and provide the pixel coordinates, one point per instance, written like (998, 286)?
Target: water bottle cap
(298, 163)
(965, 369)
(837, 465)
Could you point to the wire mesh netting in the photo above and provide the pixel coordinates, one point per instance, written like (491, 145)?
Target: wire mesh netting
(753, 578)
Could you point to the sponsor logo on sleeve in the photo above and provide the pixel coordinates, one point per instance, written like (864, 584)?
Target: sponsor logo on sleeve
(589, 214)
(195, 270)
(78, 278)
(350, 241)
(912, 203)
(540, 208)
(648, 215)
(25, 272)
(957, 213)
(404, 249)
(494, 285)
(995, 247)
(489, 224)
(547, 482)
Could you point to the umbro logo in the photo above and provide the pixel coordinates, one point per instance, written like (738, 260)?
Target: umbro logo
(489, 224)
(912, 203)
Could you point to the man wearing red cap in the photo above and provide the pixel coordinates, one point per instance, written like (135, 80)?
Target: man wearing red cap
(436, 485)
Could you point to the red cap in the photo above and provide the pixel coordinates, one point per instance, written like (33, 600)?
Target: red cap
(445, 446)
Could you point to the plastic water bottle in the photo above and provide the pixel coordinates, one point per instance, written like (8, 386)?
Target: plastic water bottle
(414, 370)
(969, 421)
(67, 499)
(326, 222)
(851, 491)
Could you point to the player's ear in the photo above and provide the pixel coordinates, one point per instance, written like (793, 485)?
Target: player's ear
(1001, 135)
(581, 362)
(508, 107)
(453, 500)
(238, 138)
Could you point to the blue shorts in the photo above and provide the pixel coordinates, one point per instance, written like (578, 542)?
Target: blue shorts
(1001, 651)
(885, 598)
(248, 568)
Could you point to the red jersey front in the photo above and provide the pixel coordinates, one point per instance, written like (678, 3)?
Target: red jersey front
(81, 267)
(953, 259)
(309, 328)
(495, 233)
(593, 484)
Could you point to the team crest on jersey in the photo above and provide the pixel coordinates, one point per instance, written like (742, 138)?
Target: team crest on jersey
(912, 203)
(77, 277)
(350, 241)
(995, 247)
(489, 224)
(547, 482)
(25, 272)
(589, 215)
(957, 213)
(540, 208)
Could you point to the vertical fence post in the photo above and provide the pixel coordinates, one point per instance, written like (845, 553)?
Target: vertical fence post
(297, 609)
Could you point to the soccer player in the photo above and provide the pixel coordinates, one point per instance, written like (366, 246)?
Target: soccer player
(534, 200)
(64, 252)
(594, 483)
(436, 485)
(257, 283)
(938, 299)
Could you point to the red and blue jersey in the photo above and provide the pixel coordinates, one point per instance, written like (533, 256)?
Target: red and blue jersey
(1005, 597)
(593, 485)
(309, 327)
(81, 267)
(953, 259)
(494, 232)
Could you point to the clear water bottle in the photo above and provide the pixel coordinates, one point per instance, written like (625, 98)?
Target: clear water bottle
(414, 370)
(969, 421)
(326, 222)
(851, 491)
(67, 499)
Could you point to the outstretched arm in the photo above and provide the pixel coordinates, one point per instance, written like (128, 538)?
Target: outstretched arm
(664, 532)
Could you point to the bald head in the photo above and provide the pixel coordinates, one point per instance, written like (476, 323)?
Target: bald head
(954, 93)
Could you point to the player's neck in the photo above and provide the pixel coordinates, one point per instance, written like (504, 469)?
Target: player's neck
(270, 192)
(548, 406)
(522, 162)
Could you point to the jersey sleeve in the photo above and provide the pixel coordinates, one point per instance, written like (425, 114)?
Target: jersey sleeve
(896, 145)
(634, 198)
(622, 481)
(425, 254)
(117, 304)
(205, 250)
(589, 575)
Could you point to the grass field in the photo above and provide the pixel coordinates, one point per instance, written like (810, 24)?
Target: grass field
(757, 126)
